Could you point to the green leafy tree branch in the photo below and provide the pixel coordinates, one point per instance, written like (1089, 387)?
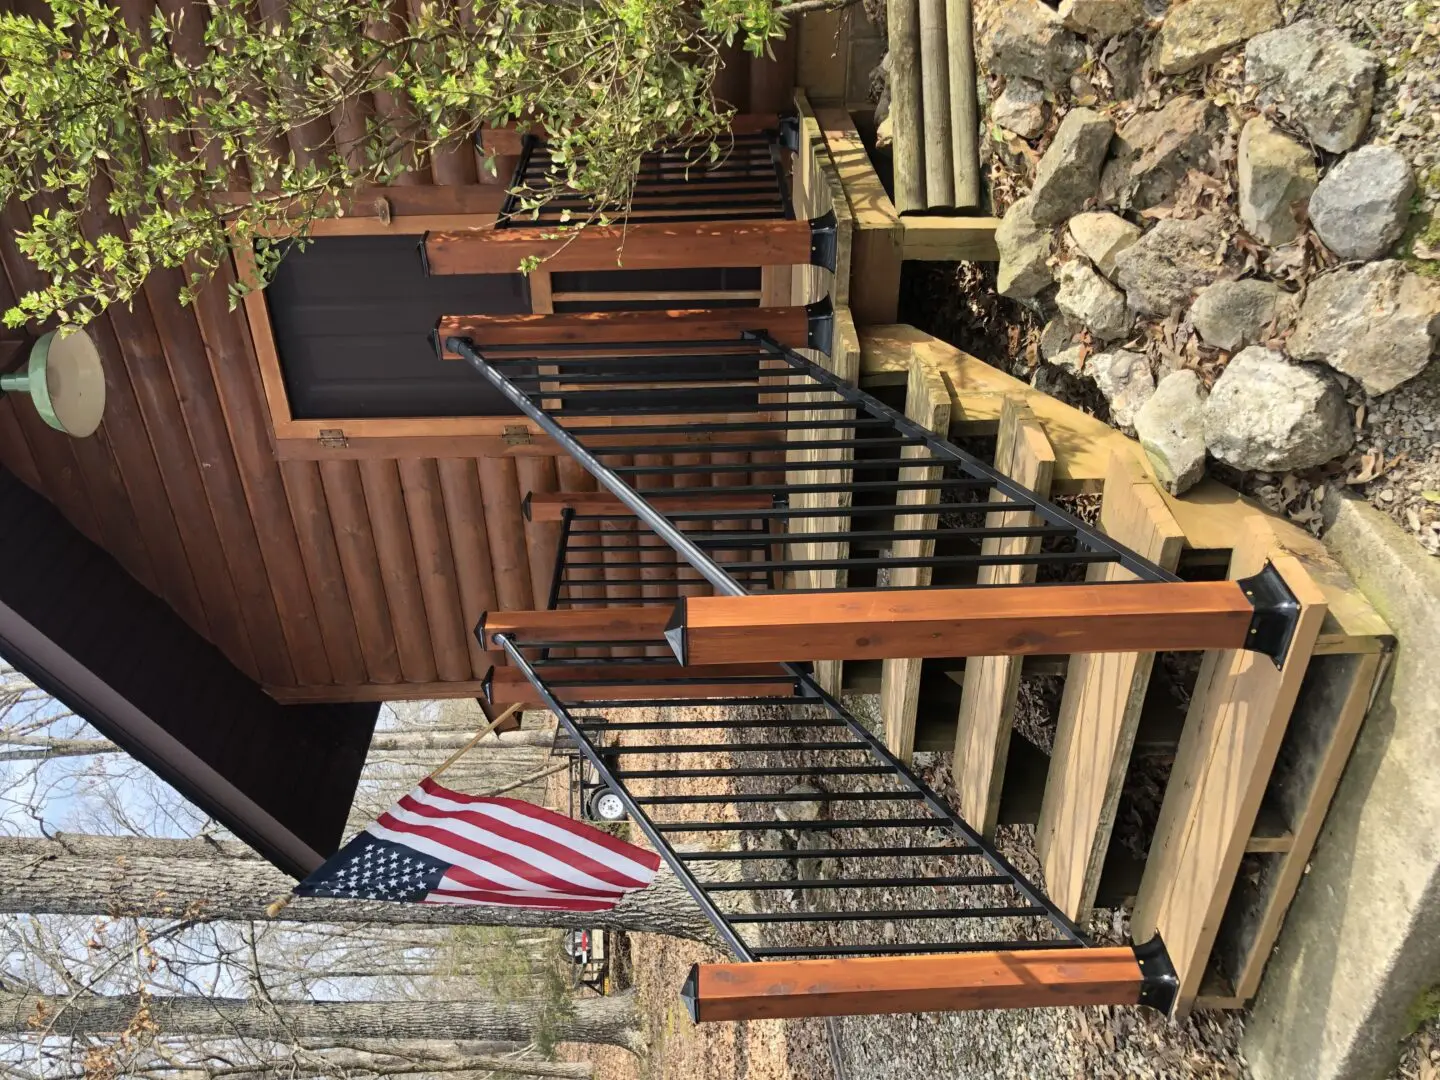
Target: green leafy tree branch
(160, 145)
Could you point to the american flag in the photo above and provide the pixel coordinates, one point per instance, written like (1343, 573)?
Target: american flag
(438, 846)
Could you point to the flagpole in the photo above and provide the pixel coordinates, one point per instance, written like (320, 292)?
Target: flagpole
(486, 730)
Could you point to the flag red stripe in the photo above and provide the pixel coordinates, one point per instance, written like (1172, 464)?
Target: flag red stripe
(438, 896)
(569, 856)
(560, 821)
(443, 836)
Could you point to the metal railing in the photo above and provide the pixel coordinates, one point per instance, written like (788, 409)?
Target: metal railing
(717, 792)
(749, 181)
(858, 491)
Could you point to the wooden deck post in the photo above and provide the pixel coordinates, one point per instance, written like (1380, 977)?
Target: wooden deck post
(943, 982)
(643, 246)
(1004, 621)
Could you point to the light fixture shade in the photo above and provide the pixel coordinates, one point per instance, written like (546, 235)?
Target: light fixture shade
(65, 380)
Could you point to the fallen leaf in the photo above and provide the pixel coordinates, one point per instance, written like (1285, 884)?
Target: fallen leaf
(1430, 496)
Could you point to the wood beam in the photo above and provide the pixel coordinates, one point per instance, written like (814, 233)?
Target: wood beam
(788, 325)
(944, 982)
(551, 506)
(1003, 621)
(635, 623)
(508, 685)
(646, 246)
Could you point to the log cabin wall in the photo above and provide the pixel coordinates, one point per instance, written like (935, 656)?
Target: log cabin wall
(346, 573)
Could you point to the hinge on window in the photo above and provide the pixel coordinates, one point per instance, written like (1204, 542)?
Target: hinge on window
(334, 438)
(517, 435)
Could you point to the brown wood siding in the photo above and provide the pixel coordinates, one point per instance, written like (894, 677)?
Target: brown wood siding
(306, 574)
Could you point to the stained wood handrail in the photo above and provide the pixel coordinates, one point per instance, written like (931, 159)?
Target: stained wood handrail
(1002, 621)
(852, 986)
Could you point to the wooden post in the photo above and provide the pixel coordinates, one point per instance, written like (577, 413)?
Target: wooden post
(935, 101)
(1100, 710)
(943, 982)
(1022, 620)
(635, 623)
(645, 246)
(964, 111)
(927, 402)
(991, 688)
(902, 20)
(640, 681)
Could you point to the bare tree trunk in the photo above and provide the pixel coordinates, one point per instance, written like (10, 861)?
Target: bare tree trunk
(206, 880)
(42, 748)
(612, 1020)
(351, 1064)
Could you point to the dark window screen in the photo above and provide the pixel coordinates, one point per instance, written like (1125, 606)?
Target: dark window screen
(352, 317)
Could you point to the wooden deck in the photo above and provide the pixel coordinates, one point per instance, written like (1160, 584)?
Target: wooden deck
(1257, 753)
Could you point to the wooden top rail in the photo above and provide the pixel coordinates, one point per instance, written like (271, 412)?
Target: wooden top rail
(1002, 621)
(551, 505)
(644, 246)
(1025, 979)
(788, 325)
(638, 623)
(509, 686)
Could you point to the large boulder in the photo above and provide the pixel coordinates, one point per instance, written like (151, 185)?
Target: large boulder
(1171, 430)
(1378, 323)
(1231, 314)
(1198, 32)
(1020, 107)
(1276, 177)
(1163, 269)
(1361, 207)
(1267, 413)
(1155, 150)
(1101, 236)
(1124, 378)
(1069, 173)
(1087, 298)
(1024, 247)
(1031, 41)
(1317, 78)
(1102, 18)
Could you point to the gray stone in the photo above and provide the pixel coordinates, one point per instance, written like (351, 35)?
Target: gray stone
(1361, 942)
(1102, 18)
(1089, 299)
(1124, 378)
(1171, 429)
(1069, 173)
(1162, 270)
(1317, 78)
(1276, 177)
(1024, 250)
(1125, 63)
(1101, 236)
(1231, 314)
(1361, 207)
(1198, 32)
(1378, 323)
(1020, 107)
(1059, 334)
(1155, 150)
(1030, 40)
(1266, 413)
(1071, 359)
